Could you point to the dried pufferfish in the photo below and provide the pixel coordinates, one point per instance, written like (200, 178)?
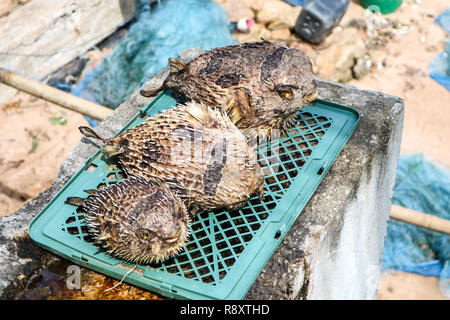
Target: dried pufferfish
(196, 150)
(135, 219)
(261, 85)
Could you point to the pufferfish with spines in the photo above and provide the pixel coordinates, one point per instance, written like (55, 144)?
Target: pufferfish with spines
(261, 85)
(137, 220)
(195, 150)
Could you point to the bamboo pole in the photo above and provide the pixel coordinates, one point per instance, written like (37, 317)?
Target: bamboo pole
(59, 97)
(420, 219)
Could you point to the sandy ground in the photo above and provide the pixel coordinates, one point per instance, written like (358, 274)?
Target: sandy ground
(36, 136)
(7, 6)
(395, 285)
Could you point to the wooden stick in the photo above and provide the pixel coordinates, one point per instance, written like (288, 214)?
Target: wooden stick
(420, 219)
(59, 97)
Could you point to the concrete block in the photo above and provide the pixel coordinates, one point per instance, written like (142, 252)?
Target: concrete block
(333, 250)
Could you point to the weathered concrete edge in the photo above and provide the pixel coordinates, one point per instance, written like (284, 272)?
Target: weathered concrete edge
(359, 256)
(354, 270)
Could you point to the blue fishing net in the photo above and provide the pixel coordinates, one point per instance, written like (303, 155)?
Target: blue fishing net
(439, 68)
(423, 187)
(444, 20)
(159, 33)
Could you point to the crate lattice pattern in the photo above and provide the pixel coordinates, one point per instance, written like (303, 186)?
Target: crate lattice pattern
(218, 238)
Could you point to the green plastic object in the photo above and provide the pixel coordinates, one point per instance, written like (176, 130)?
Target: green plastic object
(386, 6)
(227, 250)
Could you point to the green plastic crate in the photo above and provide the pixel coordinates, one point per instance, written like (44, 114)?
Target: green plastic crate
(227, 250)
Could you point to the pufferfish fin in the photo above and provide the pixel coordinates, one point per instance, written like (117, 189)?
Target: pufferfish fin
(89, 133)
(90, 191)
(176, 65)
(74, 201)
(198, 111)
(238, 105)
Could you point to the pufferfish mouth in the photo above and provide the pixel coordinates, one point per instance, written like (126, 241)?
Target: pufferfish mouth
(164, 250)
(157, 250)
(175, 242)
(313, 96)
(174, 237)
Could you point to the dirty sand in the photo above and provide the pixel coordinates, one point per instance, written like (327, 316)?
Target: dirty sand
(7, 6)
(36, 136)
(395, 285)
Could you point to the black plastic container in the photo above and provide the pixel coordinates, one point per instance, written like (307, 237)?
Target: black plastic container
(318, 18)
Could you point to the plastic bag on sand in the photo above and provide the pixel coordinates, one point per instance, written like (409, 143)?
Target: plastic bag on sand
(439, 68)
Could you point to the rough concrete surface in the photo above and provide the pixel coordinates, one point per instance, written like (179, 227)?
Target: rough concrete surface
(333, 250)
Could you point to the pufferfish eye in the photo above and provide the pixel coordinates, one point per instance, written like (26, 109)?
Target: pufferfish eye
(145, 234)
(285, 93)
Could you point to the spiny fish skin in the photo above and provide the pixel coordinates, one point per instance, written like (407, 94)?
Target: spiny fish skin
(261, 85)
(196, 151)
(138, 220)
